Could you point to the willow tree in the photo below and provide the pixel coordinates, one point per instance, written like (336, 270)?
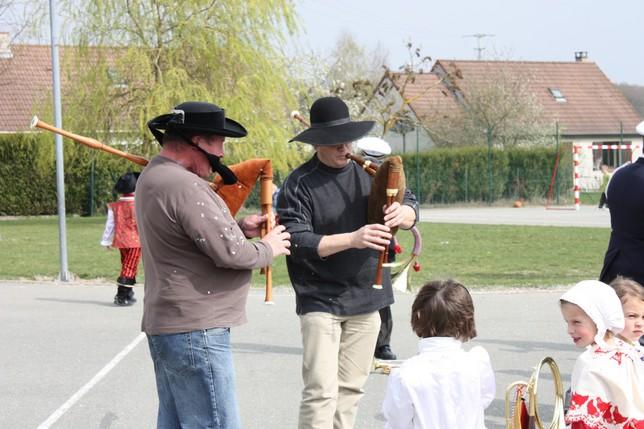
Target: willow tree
(136, 59)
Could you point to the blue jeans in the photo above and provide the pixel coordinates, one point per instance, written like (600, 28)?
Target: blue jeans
(195, 379)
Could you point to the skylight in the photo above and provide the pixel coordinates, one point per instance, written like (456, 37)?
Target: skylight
(557, 94)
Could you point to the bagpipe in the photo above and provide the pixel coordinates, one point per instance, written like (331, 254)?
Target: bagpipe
(524, 412)
(388, 186)
(234, 195)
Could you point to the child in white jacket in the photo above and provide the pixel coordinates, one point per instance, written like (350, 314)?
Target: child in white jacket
(444, 386)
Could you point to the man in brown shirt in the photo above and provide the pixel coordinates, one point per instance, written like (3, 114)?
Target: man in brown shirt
(198, 263)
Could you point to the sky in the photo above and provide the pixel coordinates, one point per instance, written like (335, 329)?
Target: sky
(612, 32)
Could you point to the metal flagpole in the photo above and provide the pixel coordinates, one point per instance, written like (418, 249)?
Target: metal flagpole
(64, 274)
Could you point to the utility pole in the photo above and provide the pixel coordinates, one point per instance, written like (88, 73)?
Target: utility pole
(478, 48)
(64, 275)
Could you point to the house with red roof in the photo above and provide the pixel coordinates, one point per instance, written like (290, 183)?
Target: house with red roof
(575, 97)
(25, 83)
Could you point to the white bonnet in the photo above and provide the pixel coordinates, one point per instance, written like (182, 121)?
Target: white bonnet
(374, 146)
(600, 302)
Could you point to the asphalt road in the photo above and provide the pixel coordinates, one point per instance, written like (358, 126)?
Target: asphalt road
(587, 216)
(70, 359)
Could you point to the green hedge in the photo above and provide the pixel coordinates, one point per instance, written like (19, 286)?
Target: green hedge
(28, 175)
(461, 174)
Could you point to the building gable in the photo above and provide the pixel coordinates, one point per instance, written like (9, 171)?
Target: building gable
(577, 95)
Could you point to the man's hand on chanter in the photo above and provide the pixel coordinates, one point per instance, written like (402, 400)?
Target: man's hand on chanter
(399, 215)
(374, 236)
(251, 225)
(279, 240)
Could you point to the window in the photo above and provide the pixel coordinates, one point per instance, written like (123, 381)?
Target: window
(613, 158)
(557, 94)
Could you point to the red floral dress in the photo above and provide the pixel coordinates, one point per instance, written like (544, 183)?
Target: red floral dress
(607, 388)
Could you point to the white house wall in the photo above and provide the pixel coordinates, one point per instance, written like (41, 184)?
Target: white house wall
(591, 178)
(394, 139)
(409, 145)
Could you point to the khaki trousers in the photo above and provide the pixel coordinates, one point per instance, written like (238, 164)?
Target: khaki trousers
(338, 354)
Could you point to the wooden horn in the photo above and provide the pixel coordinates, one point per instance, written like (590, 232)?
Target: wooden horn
(87, 141)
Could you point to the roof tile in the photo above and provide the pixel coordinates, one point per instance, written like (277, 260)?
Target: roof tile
(593, 104)
(25, 81)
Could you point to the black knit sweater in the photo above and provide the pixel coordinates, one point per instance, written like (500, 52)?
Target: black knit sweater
(318, 200)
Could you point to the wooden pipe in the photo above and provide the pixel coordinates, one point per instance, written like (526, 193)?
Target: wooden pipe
(366, 165)
(88, 141)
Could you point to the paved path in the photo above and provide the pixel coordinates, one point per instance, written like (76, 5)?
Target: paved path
(588, 216)
(72, 359)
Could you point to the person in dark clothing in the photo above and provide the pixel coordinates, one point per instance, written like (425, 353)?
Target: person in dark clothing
(332, 266)
(625, 196)
(605, 181)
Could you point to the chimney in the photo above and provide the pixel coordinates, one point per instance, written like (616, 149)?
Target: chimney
(5, 46)
(581, 56)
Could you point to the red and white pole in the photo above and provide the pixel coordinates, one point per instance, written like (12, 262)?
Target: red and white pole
(575, 172)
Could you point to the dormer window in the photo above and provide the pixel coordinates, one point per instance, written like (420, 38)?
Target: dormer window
(557, 94)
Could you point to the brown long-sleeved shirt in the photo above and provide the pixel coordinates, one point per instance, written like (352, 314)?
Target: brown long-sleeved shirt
(197, 261)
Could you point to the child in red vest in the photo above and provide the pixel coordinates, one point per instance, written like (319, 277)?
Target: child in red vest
(121, 233)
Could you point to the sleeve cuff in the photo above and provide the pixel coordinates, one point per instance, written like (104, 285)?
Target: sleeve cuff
(305, 246)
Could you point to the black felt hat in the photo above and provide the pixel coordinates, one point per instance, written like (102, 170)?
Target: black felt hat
(126, 183)
(331, 124)
(196, 116)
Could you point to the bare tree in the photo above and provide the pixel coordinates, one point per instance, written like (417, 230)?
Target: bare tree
(350, 72)
(500, 107)
(634, 94)
(390, 102)
(22, 19)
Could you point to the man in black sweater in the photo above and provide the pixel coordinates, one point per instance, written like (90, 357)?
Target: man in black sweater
(332, 266)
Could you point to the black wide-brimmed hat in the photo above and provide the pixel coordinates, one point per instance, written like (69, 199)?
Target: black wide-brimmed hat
(331, 124)
(196, 116)
(126, 183)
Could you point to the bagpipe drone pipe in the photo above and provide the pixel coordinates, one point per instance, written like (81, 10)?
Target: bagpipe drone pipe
(234, 195)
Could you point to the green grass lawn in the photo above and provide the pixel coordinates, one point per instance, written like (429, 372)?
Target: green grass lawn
(477, 255)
